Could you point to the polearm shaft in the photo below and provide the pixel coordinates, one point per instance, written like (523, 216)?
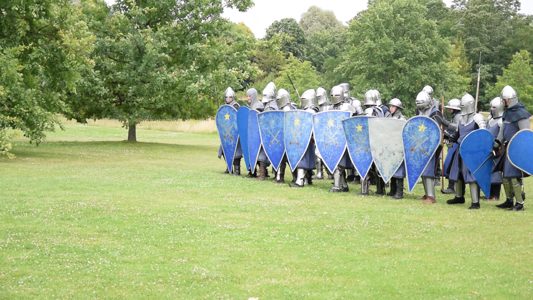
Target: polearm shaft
(442, 140)
(478, 77)
(294, 87)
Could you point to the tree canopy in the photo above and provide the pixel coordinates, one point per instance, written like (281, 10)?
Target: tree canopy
(293, 36)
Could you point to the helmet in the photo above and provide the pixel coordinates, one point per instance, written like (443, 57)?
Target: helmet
(346, 89)
(308, 99)
(496, 107)
(396, 102)
(322, 96)
(454, 104)
(229, 93)
(423, 100)
(255, 103)
(428, 89)
(337, 94)
(468, 105)
(509, 93)
(283, 98)
(269, 93)
(372, 98)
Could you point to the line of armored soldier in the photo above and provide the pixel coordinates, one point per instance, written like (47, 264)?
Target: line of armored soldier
(508, 116)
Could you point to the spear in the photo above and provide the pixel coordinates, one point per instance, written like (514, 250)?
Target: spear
(478, 76)
(442, 140)
(294, 87)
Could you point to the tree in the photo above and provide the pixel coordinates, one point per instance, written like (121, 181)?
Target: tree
(316, 20)
(292, 35)
(519, 75)
(160, 60)
(43, 47)
(302, 74)
(458, 82)
(395, 50)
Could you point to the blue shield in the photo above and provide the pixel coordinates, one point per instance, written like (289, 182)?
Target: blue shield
(271, 129)
(476, 152)
(329, 136)
(298, 132)
(519, 151)
(242, 124)
(228, 131)
(357, 139)
(386, 145)
(421, 138)
(254, 139)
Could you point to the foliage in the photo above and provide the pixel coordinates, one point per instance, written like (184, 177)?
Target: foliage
(43, 46)
(396, 51)
(302, 74)
(268, 58)
(519, 75)
(293, 37)
(5, 142)
(316, 20)
(458, 82)
(160, 60)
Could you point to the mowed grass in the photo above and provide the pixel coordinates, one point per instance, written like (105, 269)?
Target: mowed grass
(87, 215)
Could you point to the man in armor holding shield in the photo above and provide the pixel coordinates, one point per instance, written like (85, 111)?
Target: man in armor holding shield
(229, 97)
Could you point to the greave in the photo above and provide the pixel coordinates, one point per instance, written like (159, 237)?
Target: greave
(365, 184)
(508, 188)
(474, 192)
(517, 191)
(319, 172)
(429, 186)
(337, 178)
(300, 174)
(459, 188)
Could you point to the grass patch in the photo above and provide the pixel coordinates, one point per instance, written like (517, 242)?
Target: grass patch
(87, 215)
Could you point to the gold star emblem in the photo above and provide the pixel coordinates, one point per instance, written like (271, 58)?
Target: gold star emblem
(359, 128)
(331, 122)
(422, 128)
(297, 122)
(227, 116)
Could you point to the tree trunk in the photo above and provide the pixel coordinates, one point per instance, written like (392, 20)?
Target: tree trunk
(132, 133)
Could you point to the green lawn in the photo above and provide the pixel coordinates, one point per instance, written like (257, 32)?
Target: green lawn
(87, 215)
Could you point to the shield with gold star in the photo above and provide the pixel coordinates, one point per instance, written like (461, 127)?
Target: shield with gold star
(272, 133)
(254, 139)
(421, 138)
(298, 132)
(329, 136)
(226, 120)
(356, 132)
(242, 124)
(386, 145)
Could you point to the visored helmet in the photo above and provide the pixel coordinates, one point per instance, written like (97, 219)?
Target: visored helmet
(372, 98)
(269, 93)
(396, 102)
(308, 99)
(428, 89)
(496, 108)
(322, 96)
(509, 93)
(346, 89)
(454, 104)
(468, 105)
(423, 100)
(283, 98)
(337, 94)
(229, 94)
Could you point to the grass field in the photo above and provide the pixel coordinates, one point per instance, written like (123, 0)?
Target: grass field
(88, 216)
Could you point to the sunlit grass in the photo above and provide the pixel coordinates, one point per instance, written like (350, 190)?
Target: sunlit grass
(87, 215)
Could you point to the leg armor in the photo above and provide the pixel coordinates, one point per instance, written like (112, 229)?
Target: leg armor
(520, 196)
(399, 188)
(429, 187)
(236, 167)
(339, 181)
(474, 194)
(300, 175)
(509, 200)
(319, 166)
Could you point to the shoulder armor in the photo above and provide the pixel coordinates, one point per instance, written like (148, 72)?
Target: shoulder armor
(480, 120)
(347, 107)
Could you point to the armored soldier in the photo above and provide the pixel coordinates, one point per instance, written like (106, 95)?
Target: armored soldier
(255, 104)
(454, 108)
(339, 176)
(307, 163)
(323, 105)
(428, 89)
(459, 172)
(269, 102)
(425, 107)
(493, 125)
(515, 118)
(283, 102)
(229, 97)
(396, 182)
(356, 103)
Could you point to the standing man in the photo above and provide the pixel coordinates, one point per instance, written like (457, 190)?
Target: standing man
(450, 127)
(283, 101)
(323, 105)
(493, 125)
(515, 118)
(396, 182)
(255, 104)
(269, 102)
(229, 97)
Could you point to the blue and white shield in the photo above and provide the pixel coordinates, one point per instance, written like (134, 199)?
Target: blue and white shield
(228, 131)
(386, 145)
(329, 136)
(421, 138)
(298, 132)
(476, 152)
(242, 124)
(271, 124)
(254, 139)
(357, 139)
(520, 151)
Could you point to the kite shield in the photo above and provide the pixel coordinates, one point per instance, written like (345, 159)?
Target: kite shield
(329, 136)
(520, 152)
(357, 139)
(421, 138)
(254, 139)
(298, 132)
(242, 124)
(226, 121)
(271, 129)
(386, 145)
(476, 152)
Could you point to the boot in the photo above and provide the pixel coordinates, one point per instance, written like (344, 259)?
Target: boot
(399, 188)
(226, 172)
(456, 200)
(392, 191)
(339, 182)
(299, 182)
(380, 185)
(308, 180)
(236, 170)
(475, 206)
(517, 207)
(262, 173)
(365, 185)
(250, 174)
(319, 172)
(280, 178)
(450, 189)
(509, 203)
(430, 200)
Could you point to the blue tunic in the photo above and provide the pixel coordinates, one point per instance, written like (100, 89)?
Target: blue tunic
(430, 170)
(400, 173)
(448, 159)
(496, 177)
(308, 160)
(458, 166)
(510, 171)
